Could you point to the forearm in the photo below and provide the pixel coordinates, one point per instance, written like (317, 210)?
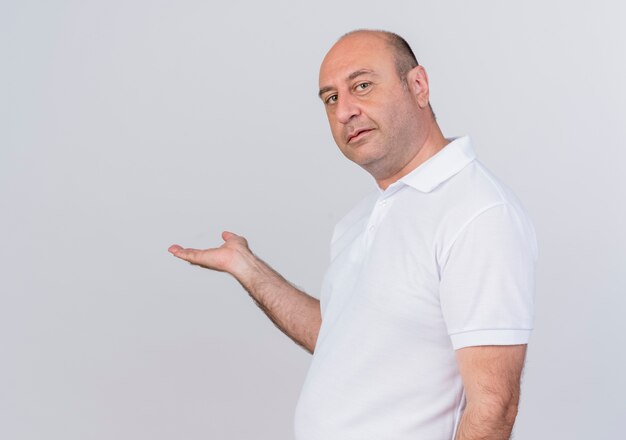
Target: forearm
(486, 423)
(294, 312)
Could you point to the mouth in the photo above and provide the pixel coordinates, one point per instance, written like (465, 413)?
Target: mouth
(358, 134)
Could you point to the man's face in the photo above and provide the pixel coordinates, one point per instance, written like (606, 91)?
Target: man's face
(372, 113)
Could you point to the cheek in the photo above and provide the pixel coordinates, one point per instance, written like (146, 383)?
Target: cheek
(336, 130)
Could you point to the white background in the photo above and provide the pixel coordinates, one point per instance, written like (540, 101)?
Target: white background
(126, 126)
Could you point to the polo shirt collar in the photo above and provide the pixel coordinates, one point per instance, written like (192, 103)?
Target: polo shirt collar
(446, 163)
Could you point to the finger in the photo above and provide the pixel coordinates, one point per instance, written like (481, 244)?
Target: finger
(190, 255)
(174, 248)
(226, 235)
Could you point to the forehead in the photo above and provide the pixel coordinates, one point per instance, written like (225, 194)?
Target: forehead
(356, 52)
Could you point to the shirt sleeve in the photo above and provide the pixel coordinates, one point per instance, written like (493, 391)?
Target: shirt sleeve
(487, 279)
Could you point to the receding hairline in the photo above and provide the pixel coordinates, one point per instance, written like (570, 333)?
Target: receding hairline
(404, 57)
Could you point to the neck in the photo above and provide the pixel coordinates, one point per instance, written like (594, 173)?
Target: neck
(432, 144)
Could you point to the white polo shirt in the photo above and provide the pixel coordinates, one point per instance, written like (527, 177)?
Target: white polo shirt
(442, 259)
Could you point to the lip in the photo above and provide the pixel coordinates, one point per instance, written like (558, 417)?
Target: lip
(358, 134)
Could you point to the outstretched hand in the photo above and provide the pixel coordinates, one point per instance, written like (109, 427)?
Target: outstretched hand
(294, 312)
(229, 257)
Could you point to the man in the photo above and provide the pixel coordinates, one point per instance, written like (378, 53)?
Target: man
(426, 309)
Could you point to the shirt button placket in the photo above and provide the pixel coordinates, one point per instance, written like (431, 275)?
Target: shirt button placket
(374, 220)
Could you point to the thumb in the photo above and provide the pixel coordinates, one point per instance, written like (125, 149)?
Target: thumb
(227, 235)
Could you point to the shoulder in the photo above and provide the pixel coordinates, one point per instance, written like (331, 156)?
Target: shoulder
(474, 190)
(474, 195)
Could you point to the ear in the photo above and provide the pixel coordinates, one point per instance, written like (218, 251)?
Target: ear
(417, 79)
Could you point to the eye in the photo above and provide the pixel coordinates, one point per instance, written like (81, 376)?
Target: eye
(331, 99)
(363, 86)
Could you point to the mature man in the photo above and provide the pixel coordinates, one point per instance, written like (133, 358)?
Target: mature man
(426, 309)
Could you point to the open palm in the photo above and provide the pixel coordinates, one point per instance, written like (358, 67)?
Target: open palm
(226, 258)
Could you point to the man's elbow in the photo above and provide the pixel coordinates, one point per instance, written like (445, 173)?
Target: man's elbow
(507, 414)
(495, 411)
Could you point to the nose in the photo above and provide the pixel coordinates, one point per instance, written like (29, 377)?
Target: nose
(346, 108)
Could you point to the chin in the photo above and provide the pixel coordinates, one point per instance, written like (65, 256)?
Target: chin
(370, 163)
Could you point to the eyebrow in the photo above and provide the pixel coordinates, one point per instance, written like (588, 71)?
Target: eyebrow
(359, 73)
(350, 77)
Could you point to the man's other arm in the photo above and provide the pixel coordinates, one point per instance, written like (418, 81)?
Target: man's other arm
(491, 377)
(294, 312)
